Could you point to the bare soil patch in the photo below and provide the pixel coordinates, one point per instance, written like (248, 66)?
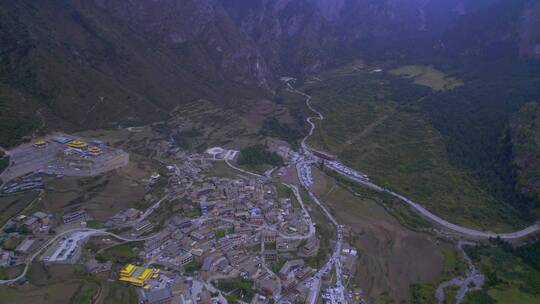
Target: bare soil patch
(391, 256)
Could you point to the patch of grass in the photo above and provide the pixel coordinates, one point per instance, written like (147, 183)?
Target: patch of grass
(237, 289)
(192, 266)
(219, 234)
(428, 76)
(67, 284)
(513, 295)
(95, 224)
(480, 297)
(4, 162)
(115, 293)
(13, 205)
(274, 128)
(221, 169)
(257, 156)
(7, 273)
(398, 209)
(85, 295)
(11, 244)
(3, 274)
(450, 294)
(120, 230)
(276, 266)
(123, 253)
(510, 277)
(423, 294)
(193, 213)
(454, 264)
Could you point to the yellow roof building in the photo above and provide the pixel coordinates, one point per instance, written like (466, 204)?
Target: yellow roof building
(40, 143)
(77, 144)
(95, 150)
(137, 275)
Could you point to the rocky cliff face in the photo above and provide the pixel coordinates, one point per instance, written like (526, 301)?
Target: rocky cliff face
(303, 36)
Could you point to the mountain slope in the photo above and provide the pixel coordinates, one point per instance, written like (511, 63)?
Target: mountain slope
(524, 137)
(97, 63)
(91, 63)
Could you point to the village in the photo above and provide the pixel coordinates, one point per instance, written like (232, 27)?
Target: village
(210, 238)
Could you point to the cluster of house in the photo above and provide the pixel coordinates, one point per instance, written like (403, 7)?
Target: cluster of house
(22, 233)
(227, 227)
(38, 222)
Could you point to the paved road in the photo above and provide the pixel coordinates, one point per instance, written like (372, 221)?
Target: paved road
(65, 233)
(420, 209)
(460, 229)
(319, 116)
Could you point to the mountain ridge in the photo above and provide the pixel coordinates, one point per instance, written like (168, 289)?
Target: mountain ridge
(90, 64)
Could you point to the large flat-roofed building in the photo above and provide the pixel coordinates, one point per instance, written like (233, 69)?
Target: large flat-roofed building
(41, 144)
(136, 275)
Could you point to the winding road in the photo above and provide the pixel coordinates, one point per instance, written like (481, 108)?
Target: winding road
(468, 232)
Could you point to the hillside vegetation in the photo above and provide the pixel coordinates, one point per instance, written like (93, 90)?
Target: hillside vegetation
(257, 156)
(512, 273)
(524, 140)
(386, 127)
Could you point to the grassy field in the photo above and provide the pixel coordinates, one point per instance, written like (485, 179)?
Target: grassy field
(513, 295)
(454, 266)
(7, 273)
(428, 76)
(397, 147)
(123, 253)
(237, 289)
(510, 277)
(67, 284)
(221, 169)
